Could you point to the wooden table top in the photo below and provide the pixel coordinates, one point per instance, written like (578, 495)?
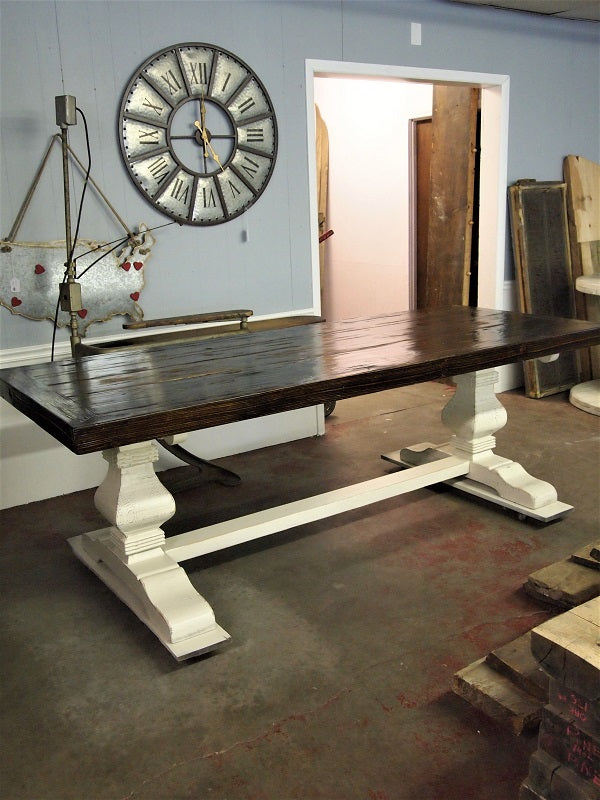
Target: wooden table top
(123, 397)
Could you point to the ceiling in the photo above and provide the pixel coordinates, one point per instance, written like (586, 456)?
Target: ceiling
(566, 9)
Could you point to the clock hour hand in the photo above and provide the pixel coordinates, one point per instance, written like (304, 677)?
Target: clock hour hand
(205, 139)
(203, 134)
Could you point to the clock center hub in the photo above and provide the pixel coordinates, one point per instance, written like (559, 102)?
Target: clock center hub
(199, 136)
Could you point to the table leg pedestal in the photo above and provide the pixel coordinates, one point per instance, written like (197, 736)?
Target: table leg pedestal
(133, 558)
(474, 414)
(129, 557)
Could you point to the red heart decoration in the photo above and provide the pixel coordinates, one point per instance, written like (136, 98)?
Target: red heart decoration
(126, 265)
(82, 313)
(135, 296)
(14, 301)
(39, 270)
(138, 265)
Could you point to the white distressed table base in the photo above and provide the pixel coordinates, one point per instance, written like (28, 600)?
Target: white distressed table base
(162, 597)
(158, 590)
(474, 414)
(407, 456)
(135, 560)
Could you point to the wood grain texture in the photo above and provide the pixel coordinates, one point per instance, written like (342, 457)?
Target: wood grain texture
(117, 398)
(582, 178)
(452, 184)
(567, 649)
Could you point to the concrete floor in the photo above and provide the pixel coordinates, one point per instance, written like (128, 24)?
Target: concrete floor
(345, 633)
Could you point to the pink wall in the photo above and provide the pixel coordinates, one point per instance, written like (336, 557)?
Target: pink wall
(367, 258)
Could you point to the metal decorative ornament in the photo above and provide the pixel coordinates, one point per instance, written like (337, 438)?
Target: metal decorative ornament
(198, 133)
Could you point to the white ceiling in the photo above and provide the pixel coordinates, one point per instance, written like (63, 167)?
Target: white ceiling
(567, 9)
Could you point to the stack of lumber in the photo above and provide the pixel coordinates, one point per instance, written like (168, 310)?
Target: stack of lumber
(566, 765)
(508, 684)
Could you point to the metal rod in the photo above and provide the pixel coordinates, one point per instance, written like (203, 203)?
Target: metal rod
(69, 264)
(29, 195)
(34, 184)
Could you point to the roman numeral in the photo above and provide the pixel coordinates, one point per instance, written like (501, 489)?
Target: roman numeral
(198, 72)
(234, 188)
(171, 81)
(252, 169)
(208, 198)
(180, 191)
(150, 104)
(246, 105)
(149, 137)
(159, 169)
(226, 82)
(255, 135)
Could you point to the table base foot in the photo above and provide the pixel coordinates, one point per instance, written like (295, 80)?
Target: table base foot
(158, 591)
(427, 452)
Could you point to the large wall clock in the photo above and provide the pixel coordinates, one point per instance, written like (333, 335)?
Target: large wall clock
(198, 133)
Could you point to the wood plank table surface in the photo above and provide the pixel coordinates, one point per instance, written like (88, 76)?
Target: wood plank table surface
(121, 400)
(121, 397)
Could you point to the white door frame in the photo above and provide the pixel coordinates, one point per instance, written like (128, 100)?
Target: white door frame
(493, 162)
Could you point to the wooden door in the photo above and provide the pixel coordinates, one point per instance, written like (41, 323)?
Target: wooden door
(322, 145)
(451, 193)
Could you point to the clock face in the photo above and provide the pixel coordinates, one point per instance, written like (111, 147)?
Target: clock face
(198, 133)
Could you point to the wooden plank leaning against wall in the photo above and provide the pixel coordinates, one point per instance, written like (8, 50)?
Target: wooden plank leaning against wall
(582, 178)
(452, 189)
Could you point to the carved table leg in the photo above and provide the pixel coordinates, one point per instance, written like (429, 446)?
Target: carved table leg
(130, 559)
(474, 414)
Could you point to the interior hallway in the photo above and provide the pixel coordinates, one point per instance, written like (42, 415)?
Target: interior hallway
(346, 633)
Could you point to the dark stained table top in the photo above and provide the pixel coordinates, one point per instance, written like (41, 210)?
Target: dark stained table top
(122, 397)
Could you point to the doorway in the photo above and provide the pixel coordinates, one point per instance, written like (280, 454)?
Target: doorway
(368, 257)
(492, 178)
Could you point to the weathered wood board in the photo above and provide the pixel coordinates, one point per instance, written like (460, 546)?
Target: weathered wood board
(543, 271)
(582, 178)
(568, 744)
(452, 185)
(567, 648)
(497, 696)
(565, 584)
(584, 712)
(516, 662)
(588, 556)
(550, 780)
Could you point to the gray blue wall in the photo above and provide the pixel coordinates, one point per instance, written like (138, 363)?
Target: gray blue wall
(90, 50)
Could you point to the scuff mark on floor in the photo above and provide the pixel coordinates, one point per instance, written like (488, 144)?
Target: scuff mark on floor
(277, 729)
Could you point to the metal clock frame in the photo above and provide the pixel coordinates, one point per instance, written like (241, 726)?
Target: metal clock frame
(148, 109)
